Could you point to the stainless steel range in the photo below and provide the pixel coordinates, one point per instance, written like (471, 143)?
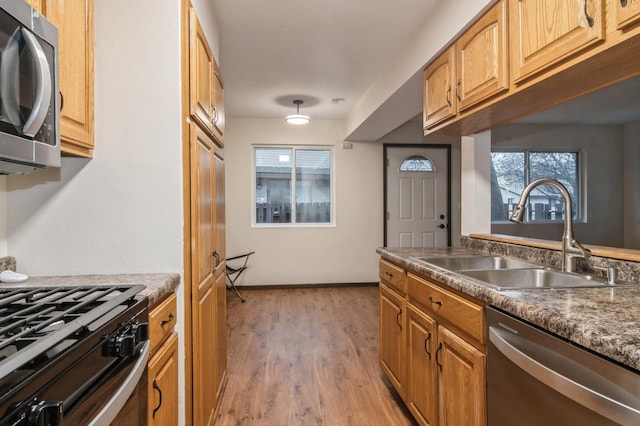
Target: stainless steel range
(70, 355)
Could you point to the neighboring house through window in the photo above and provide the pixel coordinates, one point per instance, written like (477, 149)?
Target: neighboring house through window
(511, 171)
(287, 173)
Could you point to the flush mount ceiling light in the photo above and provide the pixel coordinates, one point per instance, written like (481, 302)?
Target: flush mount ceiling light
(297, 118)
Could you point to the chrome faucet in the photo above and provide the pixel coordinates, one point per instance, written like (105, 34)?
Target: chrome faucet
(571, 248)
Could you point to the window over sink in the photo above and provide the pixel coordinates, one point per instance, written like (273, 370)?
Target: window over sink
(511, 171)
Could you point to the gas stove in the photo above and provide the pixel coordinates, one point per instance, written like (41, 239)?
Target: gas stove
(65, 351)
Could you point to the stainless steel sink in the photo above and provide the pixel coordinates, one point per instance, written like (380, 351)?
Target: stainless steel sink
(516, 279)
(459, 263)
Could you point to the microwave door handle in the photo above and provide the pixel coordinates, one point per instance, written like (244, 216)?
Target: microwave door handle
(9, 85)
(43, 95)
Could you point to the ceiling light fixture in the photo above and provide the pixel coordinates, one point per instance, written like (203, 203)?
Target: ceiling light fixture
(297, 118)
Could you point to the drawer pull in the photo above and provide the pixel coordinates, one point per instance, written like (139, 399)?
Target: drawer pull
(435, 302)
(426, 341)
(437, 359)
(167, 321)
(156, 387)
(388, 274)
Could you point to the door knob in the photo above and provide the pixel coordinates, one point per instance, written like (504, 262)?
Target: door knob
(442, 226)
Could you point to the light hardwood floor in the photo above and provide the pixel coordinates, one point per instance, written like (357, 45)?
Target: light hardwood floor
(307, 357)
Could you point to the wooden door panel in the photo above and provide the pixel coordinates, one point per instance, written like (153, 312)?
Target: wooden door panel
(545, 32)
(422, 384)
(392, 352)
(482, 59)
(461, 381)
(439, 99)
(163, 385)
(627, 13)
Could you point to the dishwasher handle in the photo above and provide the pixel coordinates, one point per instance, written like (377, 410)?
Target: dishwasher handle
(590, 398)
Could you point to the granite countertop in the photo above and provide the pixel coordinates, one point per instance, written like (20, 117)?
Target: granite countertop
(604, 320)
(157, 285)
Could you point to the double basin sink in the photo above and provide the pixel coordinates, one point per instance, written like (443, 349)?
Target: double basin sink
(503, 273)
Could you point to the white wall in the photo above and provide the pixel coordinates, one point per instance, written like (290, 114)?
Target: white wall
(631, 186)
(341, 254)
(476, 183)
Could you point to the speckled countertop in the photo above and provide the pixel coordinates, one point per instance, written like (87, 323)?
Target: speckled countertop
(157, 285)
(605, 320)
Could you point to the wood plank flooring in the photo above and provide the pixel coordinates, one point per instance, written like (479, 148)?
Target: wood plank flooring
(307, 357)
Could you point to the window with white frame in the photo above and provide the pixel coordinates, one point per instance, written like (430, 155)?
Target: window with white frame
(293, 185)
(511, 171)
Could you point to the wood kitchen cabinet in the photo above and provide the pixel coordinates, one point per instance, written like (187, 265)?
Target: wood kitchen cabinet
(627, 13)
(392, 336)
(472, 70)
(162, 383)
(74, 20)
(206, 89)
(544, 33)
(422, 377)
(208, 277)
(432, 349)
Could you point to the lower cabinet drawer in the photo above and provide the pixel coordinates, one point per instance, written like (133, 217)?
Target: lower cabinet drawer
(455, 310)
(162, 320)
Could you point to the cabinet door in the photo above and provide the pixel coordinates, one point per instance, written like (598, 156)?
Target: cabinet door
(163, 385)
(74, 19)
(439, 99)
(461, 381)
(392, 349)
(422, 384)
(544, 32)
(481, 59)
(201, 77)
(218, 106)
(627, 12)
(203, 261)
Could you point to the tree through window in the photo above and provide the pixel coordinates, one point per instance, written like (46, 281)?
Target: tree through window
(511, 171)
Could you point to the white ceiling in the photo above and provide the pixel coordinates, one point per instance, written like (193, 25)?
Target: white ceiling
(272, 52)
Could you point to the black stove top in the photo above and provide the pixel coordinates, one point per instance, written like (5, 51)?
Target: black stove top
(45, 331)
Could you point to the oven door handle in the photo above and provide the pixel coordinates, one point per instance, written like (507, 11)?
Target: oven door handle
(578, 392)
(115, 404)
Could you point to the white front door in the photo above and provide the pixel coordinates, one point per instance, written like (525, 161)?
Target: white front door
(416, 191)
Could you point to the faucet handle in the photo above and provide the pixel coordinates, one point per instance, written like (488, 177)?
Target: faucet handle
(609, 272)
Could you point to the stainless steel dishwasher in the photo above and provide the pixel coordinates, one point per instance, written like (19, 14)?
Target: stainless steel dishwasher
(535, 378)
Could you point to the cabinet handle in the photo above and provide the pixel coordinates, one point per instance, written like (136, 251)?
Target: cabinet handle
(447, 96)
(217, 257)
(156, 387)
(168, 320)
(388, 274)
(426, 340)
(398, 319)
(623, 3)
(61, 101)
(458, 94)
(437, 359)
(215, 115)
(437, 302)
(586, 14)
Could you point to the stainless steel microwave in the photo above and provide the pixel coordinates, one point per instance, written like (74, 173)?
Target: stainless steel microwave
(29, 111)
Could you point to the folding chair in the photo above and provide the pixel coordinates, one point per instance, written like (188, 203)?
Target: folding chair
(233, 273)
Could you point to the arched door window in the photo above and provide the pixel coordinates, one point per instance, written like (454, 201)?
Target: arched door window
(416, 163)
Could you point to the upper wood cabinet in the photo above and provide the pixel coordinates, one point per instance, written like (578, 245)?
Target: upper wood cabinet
(627, 13)
(206, 88)
(545, 32)
(74, 19)
(482, 66)
(37, 4)
(439, 100)
(474, 69)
